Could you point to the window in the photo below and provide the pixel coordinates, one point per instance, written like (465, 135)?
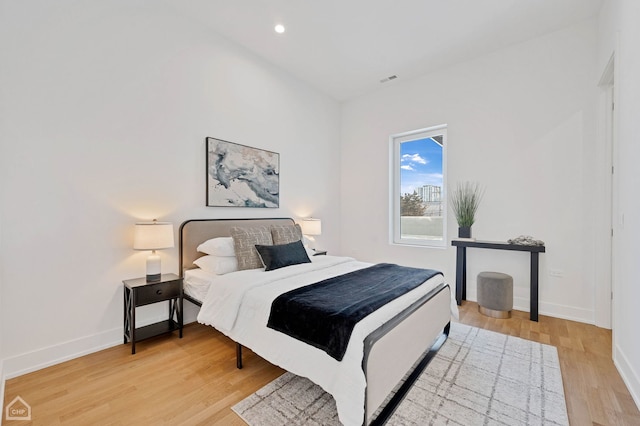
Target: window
(418, 196)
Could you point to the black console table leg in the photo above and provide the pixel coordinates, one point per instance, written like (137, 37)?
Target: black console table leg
(464, 273)
(461, 275)
(533, 308)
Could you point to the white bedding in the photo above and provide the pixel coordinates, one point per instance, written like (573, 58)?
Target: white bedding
(197, 282)
(238, 305)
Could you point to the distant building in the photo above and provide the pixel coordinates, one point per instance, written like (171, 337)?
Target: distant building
(430, 193)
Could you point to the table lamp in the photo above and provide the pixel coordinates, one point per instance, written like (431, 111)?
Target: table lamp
(153, 236)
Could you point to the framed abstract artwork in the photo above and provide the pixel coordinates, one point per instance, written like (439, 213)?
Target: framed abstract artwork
(241, 176)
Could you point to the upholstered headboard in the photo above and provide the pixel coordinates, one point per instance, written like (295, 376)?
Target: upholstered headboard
(193, 232)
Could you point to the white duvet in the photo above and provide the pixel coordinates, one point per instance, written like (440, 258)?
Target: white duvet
(238, 305)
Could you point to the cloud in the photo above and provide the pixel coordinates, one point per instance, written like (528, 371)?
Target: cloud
(414, 158)
(407, 167)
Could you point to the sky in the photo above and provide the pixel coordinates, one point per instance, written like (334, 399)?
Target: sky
(420, 164)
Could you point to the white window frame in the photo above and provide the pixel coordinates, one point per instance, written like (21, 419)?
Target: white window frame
(395, 141)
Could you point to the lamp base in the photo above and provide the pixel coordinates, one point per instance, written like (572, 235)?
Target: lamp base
(153, 267)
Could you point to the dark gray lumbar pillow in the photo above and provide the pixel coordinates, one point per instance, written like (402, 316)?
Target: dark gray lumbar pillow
(279, 256)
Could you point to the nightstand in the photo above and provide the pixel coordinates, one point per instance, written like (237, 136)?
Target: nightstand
(319, 252)
(140, 292)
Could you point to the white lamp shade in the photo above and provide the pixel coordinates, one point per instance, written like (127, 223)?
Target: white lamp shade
(153, 235)
(311, 226)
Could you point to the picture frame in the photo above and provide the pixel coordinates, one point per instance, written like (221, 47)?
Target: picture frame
(241, 176)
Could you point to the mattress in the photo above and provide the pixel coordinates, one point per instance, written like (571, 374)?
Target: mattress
(197, 282)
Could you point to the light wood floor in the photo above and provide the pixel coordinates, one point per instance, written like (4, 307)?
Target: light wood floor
(194, 380)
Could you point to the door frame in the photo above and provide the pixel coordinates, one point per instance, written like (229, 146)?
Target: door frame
(604, 290)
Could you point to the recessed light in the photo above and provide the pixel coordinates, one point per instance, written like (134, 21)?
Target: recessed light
(279, 28)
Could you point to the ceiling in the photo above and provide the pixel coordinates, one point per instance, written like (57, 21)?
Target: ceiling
(345, 47)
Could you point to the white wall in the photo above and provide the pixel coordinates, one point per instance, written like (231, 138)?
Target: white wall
(520, 122)
(1, 334)
(619, 21)
(105, 108)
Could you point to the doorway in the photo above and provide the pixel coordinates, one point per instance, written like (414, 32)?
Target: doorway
(605, 274)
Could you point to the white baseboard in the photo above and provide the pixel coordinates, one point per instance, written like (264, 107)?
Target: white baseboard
(52, 355)
(190, 313)
(570, 313)
(629, 375)
(551, 309)
(45, 357)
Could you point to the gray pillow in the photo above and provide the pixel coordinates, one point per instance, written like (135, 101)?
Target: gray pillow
(244, 243)
(284, 234)
(279, 256)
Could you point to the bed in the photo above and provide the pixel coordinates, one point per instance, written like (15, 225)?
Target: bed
(387, 351)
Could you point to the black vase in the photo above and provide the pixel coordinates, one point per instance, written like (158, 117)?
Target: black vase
(464, 232)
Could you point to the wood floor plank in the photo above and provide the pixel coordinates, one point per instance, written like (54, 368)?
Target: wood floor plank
(194, 380)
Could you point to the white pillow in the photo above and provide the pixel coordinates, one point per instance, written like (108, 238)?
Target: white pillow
(221, 246)
(218, 265)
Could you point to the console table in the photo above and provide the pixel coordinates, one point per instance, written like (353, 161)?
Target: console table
(461, 268)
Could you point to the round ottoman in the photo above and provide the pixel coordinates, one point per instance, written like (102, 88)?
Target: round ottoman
(495, 294)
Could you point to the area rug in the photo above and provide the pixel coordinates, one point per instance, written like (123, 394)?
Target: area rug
(477, 378)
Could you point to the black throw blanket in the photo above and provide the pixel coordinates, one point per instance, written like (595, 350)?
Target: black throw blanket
(324, 314)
